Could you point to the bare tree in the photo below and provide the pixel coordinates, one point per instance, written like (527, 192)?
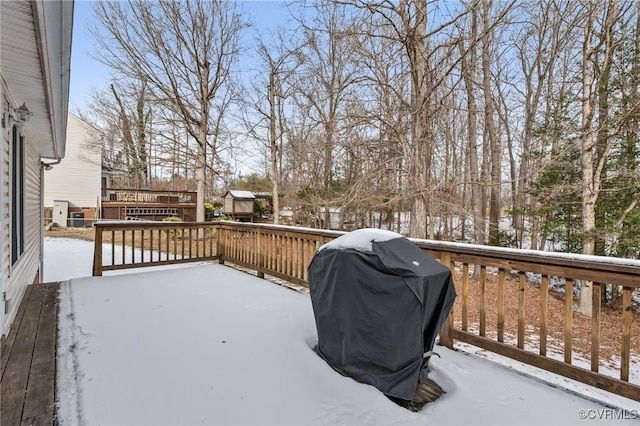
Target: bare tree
(469, 74)
(408, 19)
(547, 31)
(184, 50)
(490, 132)
(595, 64)
(133, 130)
(279, 62)
(123, 113)
(429, 50)
(324, 89)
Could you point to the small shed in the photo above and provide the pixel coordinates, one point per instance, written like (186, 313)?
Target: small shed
(238, 204)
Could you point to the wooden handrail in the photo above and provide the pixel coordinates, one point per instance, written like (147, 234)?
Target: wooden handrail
(148, 196)
(285, 252)
(139, 244)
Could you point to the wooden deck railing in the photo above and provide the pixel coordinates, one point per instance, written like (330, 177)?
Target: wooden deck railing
(147, 196)
(137, 244)
(481, 317)
(280, 251)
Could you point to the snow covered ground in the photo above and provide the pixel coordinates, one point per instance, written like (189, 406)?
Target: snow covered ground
(208, 344)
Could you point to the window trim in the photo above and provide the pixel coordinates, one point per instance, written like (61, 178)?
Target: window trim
(17, 195)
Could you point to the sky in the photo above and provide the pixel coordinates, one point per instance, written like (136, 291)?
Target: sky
(88, 74)
(208, 344)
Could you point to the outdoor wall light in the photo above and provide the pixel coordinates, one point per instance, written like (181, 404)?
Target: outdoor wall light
(23, 114)
(19, 116)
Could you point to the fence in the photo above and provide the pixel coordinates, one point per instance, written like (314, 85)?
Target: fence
(533, 280)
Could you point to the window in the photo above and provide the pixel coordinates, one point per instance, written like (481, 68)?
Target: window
(17, 195)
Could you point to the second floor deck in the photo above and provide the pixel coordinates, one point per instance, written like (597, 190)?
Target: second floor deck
(123, 204)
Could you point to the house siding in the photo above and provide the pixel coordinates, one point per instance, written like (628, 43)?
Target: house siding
(4, 208)
(27, 269)
(35, 52)
(77, 179)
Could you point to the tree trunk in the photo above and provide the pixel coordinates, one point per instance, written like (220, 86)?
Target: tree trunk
(421, 158)
(495, 177)
(274, 148)
(585, 306)
(469, 64)
(201, 167)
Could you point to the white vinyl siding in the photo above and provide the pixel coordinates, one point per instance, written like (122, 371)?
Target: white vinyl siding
(5, 236)
(27, 268)
(77, 179)
(35, 51)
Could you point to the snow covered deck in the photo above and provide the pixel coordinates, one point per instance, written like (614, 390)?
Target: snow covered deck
(209, 344)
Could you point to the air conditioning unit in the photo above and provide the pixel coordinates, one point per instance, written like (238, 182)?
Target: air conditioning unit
(77, 220)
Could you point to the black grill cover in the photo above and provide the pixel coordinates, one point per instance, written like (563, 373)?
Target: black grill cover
(379, 302)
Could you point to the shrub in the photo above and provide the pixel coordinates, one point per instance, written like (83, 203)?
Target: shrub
(172, 232)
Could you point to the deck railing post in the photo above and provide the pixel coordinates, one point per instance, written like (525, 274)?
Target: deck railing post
(220, 245)
(97, 252)
(446, 337)
(625, 356)
(596, 300)
(260, 248)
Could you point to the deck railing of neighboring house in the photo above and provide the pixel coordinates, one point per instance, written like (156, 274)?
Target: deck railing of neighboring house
(147, 196)
(124, 204)
(481, 317)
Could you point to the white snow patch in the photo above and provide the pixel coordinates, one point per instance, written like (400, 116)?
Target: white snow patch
(361, 239)
(75, 260)
(67, 384)
(538, 253)
(241, 194)
(213, 345)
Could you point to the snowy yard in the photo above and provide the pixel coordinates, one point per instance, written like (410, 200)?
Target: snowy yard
(207, 344)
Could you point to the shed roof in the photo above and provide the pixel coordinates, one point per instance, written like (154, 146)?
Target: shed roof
(241, 194)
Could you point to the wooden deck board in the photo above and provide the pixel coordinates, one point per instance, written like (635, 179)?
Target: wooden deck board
(7, 342)
(39, 407)
(28, 369)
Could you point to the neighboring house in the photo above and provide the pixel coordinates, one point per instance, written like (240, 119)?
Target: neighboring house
(107, 173)
(35, 52)
(72, 189)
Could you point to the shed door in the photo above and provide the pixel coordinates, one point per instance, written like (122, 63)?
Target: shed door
(60, 213)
